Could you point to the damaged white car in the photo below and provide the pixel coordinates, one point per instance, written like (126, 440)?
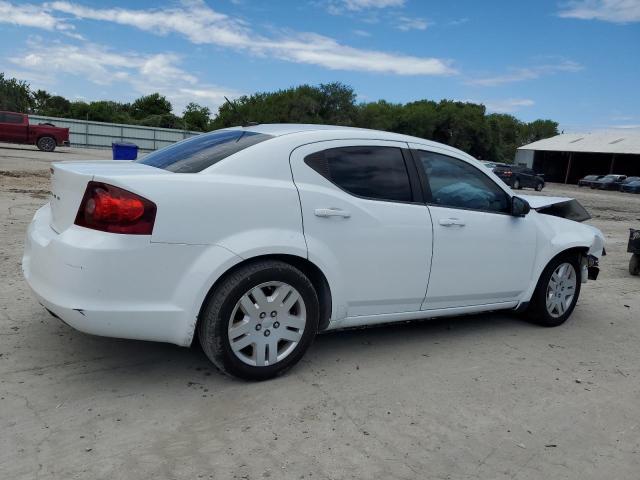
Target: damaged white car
(255, 239)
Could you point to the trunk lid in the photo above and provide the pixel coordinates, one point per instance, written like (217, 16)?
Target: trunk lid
(69, 182)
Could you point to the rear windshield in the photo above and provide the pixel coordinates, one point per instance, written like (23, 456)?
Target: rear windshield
(197, 153)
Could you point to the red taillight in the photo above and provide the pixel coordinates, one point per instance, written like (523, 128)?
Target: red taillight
(113, 209)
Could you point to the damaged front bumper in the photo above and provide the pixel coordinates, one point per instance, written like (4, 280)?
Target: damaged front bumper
(590, 267)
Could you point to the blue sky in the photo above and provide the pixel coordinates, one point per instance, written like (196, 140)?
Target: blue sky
(575, 61)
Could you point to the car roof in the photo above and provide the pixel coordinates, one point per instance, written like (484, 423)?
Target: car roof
(281, 129)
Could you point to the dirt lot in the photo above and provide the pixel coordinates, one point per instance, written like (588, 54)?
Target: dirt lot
(486, 397)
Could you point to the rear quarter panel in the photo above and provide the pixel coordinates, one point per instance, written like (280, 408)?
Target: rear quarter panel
(246, 203)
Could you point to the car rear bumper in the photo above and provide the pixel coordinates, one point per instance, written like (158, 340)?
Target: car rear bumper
(114, 285)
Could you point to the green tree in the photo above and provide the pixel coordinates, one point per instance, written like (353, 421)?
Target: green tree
(154, 104)
(196, 117)
(462, 125)
(380, 115)
(336, 103)
(39, 100)
(539, 129)
(505, 133)
(328, 103)
(167, 120)
(57, 106)
(15, 95)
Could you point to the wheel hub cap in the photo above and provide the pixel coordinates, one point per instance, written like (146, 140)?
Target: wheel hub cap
(561, 289)
(267, 324)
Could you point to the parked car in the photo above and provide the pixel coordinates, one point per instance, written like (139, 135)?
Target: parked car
(588, 180)
(492, 165)
(15, 128)
(609, 182)
(258, 238)
(519, 177)
(630, 185)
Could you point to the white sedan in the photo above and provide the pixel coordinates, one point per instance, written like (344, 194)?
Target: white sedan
(255, 239)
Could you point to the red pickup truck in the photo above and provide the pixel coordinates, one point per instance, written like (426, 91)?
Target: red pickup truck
(15, 128)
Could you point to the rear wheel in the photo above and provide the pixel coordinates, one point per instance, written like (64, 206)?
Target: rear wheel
(46, 144)
(539, 186)
(260, 320)
(557, 291)
(516, 184)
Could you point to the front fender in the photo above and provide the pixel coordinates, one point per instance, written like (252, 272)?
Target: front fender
(557, 235)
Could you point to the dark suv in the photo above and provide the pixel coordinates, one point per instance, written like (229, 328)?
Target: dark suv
(518, 177)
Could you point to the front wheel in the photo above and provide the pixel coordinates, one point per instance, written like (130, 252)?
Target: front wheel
(539, 186)
(260, 320)
(46, 144)
(557, 291)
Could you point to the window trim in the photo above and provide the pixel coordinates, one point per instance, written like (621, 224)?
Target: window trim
(424, 180)
(416, 197)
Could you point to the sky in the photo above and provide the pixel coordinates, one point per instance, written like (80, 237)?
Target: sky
(573, 61)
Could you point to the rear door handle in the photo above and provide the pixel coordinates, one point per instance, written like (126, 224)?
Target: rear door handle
(449, 222)
(331, 212)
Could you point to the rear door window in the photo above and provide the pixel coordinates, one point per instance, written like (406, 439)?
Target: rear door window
(377, 173)
(197, 153)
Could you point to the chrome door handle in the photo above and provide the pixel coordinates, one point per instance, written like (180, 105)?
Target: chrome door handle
(331, 212)
(449, 222)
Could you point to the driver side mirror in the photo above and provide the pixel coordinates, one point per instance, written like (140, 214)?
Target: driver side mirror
(519, 207)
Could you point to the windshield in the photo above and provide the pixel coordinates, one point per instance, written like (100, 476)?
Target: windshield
(197, 153)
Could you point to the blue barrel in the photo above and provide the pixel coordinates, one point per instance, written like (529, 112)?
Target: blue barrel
(124, 150)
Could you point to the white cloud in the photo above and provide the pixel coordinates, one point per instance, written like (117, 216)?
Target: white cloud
(339, 6)
(527, 73)
(411, 23)
(142, 74)
(28, 15)
(616, 11)
(202, 25)
(509, 105)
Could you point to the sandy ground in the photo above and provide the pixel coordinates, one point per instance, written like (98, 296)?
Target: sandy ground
(487, 397)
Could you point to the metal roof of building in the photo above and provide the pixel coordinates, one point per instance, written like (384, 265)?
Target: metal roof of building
(603, 142)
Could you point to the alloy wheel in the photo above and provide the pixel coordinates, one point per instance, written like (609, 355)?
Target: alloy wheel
(47, 144)
(267, 323)
(561, 289)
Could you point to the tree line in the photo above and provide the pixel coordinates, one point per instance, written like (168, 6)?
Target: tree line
(463, 125)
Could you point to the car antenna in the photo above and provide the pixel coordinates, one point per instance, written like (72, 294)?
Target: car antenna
(245, 123)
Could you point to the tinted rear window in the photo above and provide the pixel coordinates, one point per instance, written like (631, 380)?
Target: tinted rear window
(377, 173)
(197, 153)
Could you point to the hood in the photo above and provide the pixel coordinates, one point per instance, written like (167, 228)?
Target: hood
(539, 201)
(563, 207)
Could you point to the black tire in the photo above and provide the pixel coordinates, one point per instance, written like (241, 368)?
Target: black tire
(218, 308)
(516, 184)
(634, 264)
(539, 186)
(537, 311)
(46, 144)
